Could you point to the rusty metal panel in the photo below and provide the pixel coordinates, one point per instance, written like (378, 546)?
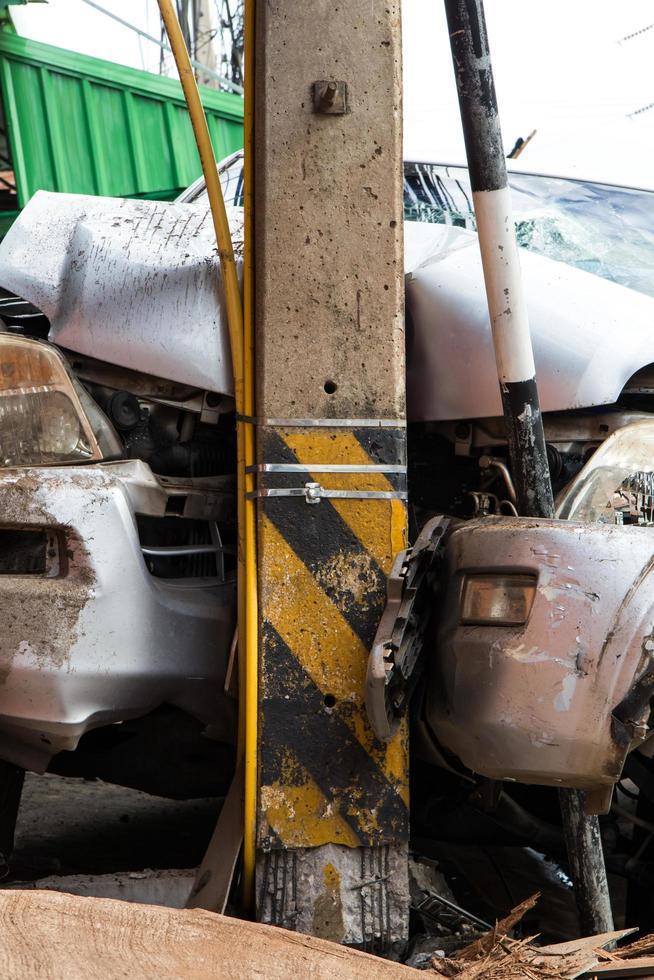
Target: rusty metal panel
(561, 698)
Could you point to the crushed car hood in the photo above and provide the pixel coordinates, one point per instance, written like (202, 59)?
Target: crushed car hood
(137, 284)
(133, 283)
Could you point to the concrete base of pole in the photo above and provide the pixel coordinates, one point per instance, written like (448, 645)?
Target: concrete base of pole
(353, 895)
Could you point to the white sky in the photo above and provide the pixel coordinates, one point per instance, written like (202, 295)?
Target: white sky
(558, 67)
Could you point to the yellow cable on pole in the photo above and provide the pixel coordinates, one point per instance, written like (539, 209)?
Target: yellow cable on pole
(251, 706)
(214, 192)
(241, 343)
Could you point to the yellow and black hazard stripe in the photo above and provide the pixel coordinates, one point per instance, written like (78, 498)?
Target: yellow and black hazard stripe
(324, 777)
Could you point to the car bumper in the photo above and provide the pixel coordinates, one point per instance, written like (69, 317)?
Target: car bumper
(561, 699)
(95, 638)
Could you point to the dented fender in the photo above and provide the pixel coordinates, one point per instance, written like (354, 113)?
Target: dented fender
(561, 699)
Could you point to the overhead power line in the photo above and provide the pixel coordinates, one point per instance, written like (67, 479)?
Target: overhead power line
(232, 86)
(638, 112)
(643, 30)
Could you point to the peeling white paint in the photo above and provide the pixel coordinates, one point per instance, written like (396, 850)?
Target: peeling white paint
(563, 699)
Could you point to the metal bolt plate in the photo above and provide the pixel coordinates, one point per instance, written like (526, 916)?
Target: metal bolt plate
(330, 98)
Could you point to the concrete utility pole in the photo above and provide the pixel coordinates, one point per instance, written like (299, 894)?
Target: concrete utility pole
(516, 371)
(333, 801)
(206, 42)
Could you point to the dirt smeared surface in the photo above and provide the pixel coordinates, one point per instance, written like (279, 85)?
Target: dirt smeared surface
(349, 576)
(40, 614)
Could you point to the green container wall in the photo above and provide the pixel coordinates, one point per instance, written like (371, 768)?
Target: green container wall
(85, 126)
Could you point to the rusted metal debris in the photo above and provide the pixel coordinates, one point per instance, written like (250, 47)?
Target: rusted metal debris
(396, 659)
(497, 956)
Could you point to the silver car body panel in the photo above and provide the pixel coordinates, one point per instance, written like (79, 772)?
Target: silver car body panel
(589, 335)
(115, 282)
(133, 283)
(103, 641)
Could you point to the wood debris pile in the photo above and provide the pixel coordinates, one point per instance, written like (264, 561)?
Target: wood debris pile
(496, 956)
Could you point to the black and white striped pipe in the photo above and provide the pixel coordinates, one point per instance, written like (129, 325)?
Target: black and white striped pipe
(516, 372)
(499, 253)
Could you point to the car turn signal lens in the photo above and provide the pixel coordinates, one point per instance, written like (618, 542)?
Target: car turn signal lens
(42, 420)
(497, 600)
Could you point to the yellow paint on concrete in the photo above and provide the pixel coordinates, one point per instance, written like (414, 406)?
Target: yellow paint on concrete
(399, 530)
(331, 876)
(324, 644)
(380, 525)
(397, 759)
(298, 607)
(328, 906)
(308, 621)
(302, 816)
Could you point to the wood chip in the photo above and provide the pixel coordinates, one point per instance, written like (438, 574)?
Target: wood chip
(496, 956)
(640, 947)
(502, 928)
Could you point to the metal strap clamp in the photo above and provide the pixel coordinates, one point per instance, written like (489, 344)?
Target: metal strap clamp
(326, 468)
(313, 493)
(324, 423)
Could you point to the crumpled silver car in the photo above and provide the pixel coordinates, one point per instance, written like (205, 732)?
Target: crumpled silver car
(117, 515)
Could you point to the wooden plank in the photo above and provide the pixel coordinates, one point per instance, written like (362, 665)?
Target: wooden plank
(54, 936)
(599, 941)
(642, 967)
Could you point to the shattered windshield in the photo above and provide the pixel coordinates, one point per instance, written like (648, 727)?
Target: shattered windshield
(601, 228)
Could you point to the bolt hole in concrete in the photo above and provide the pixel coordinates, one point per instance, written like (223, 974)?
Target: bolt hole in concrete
(330, 387)
(330, 701)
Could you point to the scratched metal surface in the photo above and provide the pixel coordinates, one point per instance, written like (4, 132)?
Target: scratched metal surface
(138, 299)
(552, 701)
(105, 641)
(134, 283)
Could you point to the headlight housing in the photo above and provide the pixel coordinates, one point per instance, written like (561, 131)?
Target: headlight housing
(42, 418)
(616, 486)
(497, 600)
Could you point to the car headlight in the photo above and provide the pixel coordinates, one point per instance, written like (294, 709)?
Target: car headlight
(42, 419)
(616, 486)
(497, 600)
